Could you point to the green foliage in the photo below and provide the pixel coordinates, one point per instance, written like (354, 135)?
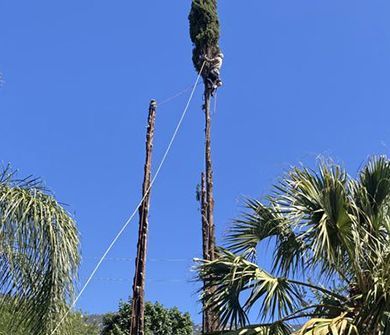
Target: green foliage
(331, 260)
(39, 249)
(6, 317)
(76, 325)
(204, 30)
(158, 321)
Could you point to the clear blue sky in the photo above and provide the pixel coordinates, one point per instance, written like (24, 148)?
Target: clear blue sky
(302, 78)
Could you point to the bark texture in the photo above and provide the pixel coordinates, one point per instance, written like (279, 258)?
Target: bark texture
(137, 322)
(210, 320)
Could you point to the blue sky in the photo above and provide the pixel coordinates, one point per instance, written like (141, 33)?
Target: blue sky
(301, 79)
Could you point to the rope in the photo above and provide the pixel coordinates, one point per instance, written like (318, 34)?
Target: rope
(178, 94)
(127, 280)
(136, 208)
(128, 259)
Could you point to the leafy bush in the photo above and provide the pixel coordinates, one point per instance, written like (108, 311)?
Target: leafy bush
(159, 320)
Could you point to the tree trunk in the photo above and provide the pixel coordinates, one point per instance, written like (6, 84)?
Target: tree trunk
(138, 302)
(205, 224)
(209, 176)
(205, 240)
(210, 319)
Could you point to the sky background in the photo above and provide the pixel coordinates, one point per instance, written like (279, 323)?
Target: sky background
(302, 78)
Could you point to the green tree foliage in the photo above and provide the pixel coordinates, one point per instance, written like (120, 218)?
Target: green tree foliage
(331, 259)
(39, 249)
(76, 325)
(204, 30)
(158, 321)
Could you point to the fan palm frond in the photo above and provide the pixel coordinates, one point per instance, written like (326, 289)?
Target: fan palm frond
(341, 325)
(277, 328)
(261, 223)
(235, 275)
(331, 257)
(319, 205)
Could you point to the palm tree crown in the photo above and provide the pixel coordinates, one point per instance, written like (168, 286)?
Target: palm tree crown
(39, 254)
(331, 258)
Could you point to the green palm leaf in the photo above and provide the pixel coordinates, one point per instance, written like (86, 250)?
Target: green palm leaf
(39, 253)
(330, 236)
(260, 224)
(236, 275)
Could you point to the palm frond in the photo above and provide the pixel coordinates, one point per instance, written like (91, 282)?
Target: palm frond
(276, 328)
(228, 277)
(340, 325)
(375, 179)
(331, 240)
(318, 207)
(39, 253)
(260, 223)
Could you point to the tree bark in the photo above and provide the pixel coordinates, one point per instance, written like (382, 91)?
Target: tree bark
(205, 224)
(137, 323)
(209, 176)
(205, 239)
(210, 319)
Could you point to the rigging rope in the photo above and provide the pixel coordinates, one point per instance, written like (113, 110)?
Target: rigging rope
(136, 208)
(127, 259)
(127, 280)
(173, 97)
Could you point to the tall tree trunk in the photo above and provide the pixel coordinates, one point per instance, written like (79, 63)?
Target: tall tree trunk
(210, 319)
(138, 303)
(209, 175)
(205, 239)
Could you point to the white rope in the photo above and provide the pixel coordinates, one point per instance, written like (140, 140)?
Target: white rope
(127, 259)
(173, 97)
(112, 279)
(136, 208)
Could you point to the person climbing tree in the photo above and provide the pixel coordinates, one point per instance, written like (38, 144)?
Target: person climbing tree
(207, 58)
(214, 77)
(205, 32)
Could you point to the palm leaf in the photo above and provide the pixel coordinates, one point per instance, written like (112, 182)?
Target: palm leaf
(235, 275)
(332, 234)
(318, 208)
(277, 328)
(39, 253)
(261, 223)
(341, 325)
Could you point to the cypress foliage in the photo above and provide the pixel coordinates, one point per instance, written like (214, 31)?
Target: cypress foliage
(204, 30)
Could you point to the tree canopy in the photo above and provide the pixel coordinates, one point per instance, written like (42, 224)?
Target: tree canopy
(331, 260)
(158, 321)
(204, 30)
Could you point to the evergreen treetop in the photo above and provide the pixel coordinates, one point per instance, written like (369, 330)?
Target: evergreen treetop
(204, 30)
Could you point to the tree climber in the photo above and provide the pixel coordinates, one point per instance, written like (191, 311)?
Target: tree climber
(204, 32)
(207, 59)
(213, 79)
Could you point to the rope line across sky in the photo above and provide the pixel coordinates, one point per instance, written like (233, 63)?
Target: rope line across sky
(119, 234)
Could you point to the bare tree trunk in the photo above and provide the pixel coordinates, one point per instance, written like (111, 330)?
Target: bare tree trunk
(205, 240)
(209, 176)
(205, 224)
(210, 319)
(138, 302)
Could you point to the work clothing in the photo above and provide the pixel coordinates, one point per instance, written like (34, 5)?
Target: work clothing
(213, 80)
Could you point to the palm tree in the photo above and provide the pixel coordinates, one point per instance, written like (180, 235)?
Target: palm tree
(330, 272)
(39, 255)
